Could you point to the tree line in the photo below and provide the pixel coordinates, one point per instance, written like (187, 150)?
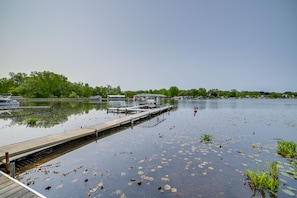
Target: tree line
(47, 84)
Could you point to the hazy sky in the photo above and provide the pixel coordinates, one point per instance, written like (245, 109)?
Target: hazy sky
(154, 44)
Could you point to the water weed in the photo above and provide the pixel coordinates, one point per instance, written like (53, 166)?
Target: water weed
(206, 137)
(264, 182)
(286, 148)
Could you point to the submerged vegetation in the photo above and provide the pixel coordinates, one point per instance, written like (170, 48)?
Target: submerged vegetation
(263, 182)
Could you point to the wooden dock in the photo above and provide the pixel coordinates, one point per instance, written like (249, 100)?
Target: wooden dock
(10, 187)
(54, 139)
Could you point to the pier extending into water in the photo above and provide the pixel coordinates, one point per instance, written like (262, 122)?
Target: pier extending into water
(16, 149)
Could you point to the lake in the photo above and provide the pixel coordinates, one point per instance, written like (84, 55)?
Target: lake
(164, 156)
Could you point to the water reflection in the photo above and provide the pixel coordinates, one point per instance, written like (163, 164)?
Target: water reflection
(47, 118)
(65, 116)
(213, 104)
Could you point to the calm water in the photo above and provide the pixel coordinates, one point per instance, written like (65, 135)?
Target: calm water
(166, 152)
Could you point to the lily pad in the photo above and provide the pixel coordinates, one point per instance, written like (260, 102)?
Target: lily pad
(140, 172)
(285, 174)
(291, 188)
(174, 190)
(288, 192)
(167, 187)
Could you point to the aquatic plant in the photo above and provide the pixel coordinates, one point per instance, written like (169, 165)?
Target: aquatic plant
(32, 121)
(286, 148)
(272, 169)
(264, 181)
(206, 137)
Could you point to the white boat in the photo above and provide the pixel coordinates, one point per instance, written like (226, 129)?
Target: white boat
(7, 101)
(151, 103)
(147, 103)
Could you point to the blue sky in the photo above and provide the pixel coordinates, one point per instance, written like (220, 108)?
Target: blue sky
(141, 45)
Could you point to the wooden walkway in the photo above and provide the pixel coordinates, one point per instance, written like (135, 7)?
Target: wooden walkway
(54, 139)
(10, 187)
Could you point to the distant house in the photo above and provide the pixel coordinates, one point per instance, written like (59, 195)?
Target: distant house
(286, 96)
(213, 95)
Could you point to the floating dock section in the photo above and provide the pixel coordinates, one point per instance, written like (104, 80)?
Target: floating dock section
(10, 187)
(19, 148)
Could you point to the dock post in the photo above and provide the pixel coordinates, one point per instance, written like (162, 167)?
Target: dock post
(12, 169)
(132, 123)
(7, 166)
(96, 132)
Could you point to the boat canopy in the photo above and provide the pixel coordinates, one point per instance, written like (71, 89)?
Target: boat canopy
(146, 95)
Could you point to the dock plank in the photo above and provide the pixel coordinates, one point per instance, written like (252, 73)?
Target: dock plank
(3, 181)
(10, 187)
(23, 194)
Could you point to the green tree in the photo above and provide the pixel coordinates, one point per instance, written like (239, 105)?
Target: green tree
(18, 78)
(29, 88)
(117, 90)
(193, 92)
(43, 84)
(6, 85)
(164, 92)
(98, 91)
(173, 91)
(129, 94)
(233, 93)
(87, 90)
(76, 88)
(202, 92)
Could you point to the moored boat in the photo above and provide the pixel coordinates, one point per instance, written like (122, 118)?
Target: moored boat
(7, 101)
